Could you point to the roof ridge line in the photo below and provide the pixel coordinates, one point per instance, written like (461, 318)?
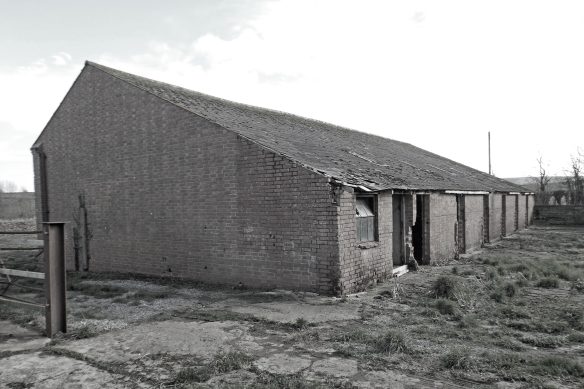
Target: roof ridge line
(243, 105)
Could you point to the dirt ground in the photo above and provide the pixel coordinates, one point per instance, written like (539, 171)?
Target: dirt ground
(508, 316)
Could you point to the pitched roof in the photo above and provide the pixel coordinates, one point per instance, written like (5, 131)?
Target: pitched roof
(345, 155)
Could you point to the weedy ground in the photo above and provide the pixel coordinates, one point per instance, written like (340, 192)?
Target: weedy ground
(509, 316)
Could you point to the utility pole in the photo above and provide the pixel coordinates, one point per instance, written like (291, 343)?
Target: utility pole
(490, 172)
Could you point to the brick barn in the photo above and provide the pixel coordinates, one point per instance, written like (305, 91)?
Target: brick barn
(160, 180)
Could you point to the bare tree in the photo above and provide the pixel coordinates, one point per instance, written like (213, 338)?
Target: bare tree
(560, 195)
(575, 181)
(542, 181)
(8, 186)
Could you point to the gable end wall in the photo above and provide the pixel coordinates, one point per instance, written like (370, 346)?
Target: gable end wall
(171, 194)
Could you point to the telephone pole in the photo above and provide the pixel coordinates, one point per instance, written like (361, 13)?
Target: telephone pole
(490, 172)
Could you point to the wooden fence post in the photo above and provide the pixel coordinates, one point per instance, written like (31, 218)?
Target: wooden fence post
(55, 278)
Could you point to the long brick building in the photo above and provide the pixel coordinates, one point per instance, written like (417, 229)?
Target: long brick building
(160, 180)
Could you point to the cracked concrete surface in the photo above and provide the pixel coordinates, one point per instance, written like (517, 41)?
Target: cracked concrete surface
(36, 370)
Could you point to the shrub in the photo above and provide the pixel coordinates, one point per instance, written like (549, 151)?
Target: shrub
(498, 295)
(444, 287)
(468, 321)
(509, 289)
(491, 275)
(577, 285)
(458, 358)
(507, 361)
(519, 268)
(392, 341)
(542, 341)
(548, 282)
(576, 337)
(445, 307)
(300, 323)
(559, 366)
(574, 317)
(513, 313)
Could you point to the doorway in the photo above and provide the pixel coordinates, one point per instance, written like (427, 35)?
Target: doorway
(486, 219)
(399, 230)
(461, 223)
(421, 229)
(503, 215)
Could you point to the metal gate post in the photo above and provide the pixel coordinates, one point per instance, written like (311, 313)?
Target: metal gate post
(55, 278)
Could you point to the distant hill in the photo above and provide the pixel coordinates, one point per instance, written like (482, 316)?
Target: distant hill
(556, 183)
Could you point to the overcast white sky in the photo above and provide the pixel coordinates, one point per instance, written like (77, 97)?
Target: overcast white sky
(437, 74)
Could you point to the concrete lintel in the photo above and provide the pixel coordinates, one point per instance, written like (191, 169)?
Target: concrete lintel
(468, 192)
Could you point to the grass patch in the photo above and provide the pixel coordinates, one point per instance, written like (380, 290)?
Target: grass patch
(576, 337)
(444, 287)
(507, 361)
(446, 307)
(391, 342)
(509, 289)
(468, 321)
(355, 335)
(459, 359)
(300, 323)
(221, 363)
(80, 333)
(266, 380)
(577, 285)
(97, 291)
(548, 283)
(558, 367)
(511, 312)
(542, 341)
(547, 327)
(574, 317)
(133, 298)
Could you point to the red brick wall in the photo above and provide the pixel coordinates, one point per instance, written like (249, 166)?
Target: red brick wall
(360, 266)
(172, 194)
(443, 224)
(474, 221)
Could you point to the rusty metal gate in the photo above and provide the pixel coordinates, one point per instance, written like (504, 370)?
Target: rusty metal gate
(12, 271)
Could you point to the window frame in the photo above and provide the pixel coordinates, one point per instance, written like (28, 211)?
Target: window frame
(372, 203)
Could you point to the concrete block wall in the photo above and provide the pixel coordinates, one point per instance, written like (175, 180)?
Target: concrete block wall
(495, 216)
(171, 194)
(474, 221)
(363, 263)
(443, 224)
(522, 211)
(531, 204)
(510, 214)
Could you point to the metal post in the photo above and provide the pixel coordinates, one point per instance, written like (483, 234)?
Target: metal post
(55, 279)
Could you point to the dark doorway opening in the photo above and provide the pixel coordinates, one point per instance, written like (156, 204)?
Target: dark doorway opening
(526, 211)
(516, 218)
(399, 230)
(421, 229)
(486, 219)
(504, 215)
(461, 223)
